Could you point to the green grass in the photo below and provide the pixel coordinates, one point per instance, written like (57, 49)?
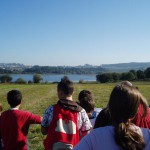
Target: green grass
(36, 98)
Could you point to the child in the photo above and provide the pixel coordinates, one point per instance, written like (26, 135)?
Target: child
(14, 123)
(64, 121)
(142, 118)
(87, 102)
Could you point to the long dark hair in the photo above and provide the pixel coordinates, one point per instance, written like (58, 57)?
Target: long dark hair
(123, 106)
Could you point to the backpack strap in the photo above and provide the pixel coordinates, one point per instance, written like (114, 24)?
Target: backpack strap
(70, 105)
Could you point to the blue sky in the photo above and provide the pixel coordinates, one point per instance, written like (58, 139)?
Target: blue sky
(74, 32)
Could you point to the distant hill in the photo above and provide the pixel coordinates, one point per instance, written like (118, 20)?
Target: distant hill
(13, 68)
(124, 67)
(65, 70)
(82, 69)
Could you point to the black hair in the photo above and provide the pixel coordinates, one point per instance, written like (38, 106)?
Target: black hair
(14, 98)
(103, 119)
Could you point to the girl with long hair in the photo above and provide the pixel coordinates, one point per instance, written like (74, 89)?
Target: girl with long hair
(122, 134)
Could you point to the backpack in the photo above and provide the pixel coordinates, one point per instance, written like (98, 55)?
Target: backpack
(63, 131)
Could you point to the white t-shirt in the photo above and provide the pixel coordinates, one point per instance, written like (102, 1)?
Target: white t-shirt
(103, 139)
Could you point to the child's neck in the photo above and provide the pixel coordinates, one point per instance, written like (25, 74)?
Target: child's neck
(66, 97)
(16, 107)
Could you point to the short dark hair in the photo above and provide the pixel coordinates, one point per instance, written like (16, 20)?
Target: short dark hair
(14, 98)
(86, 100)
(66, 86)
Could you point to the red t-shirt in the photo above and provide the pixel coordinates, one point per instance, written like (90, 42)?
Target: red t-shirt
(14, 125)
(141, 121)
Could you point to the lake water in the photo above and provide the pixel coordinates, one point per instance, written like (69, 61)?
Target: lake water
(54, 78)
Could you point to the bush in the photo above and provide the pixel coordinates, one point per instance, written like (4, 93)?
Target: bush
(81, 81)
(29, 82)
(21, 81)
(37, 78)
(5, 79)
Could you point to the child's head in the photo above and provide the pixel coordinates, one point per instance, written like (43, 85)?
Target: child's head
(14, 98)
(86, 100)
(123, 106)
(65, 86)
(124, 102)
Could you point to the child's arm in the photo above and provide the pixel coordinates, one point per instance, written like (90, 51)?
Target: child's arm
(86, 124)
(47, 117)
(34, 119)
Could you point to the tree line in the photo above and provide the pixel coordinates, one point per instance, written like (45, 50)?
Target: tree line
(54, 70)
(132, 75)
(7, 79)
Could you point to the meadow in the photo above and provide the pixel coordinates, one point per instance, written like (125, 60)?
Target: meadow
(37, 97)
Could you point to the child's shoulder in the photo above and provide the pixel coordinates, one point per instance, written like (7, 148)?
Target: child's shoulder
(49, 109)
(15, 111)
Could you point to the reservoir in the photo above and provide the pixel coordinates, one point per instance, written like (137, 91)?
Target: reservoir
(54, 77)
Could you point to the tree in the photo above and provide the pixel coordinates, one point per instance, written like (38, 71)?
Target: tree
(128, 76)
(115, 76)
(147, 72)
(5, 79)
(140, 74)
(134, 73)
(81, 81)
(37, 78)
(21, 81)
(105, 77)
(29, 82)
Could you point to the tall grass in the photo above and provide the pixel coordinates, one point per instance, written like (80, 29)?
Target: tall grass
(37, 97)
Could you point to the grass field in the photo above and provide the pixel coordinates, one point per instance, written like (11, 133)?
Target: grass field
(37, 97)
